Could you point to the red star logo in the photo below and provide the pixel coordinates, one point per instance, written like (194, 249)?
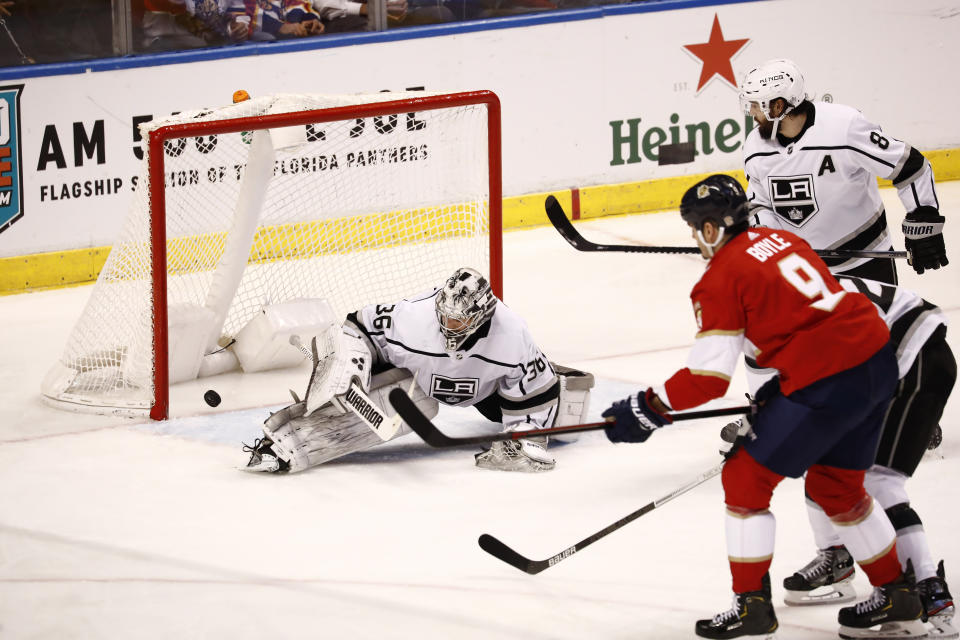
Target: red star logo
(716, 54)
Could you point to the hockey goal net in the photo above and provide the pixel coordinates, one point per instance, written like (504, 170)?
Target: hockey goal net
(354, 199)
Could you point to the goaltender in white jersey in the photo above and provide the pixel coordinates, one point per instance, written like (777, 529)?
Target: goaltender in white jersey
(812, 168)
(458, 345)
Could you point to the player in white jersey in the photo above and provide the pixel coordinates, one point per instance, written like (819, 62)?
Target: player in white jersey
(812, 167)
(928, 372)
(459, 345)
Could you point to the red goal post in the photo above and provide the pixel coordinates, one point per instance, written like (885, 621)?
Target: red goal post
(354, 199)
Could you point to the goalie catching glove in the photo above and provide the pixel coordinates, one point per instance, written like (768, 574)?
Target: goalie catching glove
(923, 237)
(634, 418)
(517, 455)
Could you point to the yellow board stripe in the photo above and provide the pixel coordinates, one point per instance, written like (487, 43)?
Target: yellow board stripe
(323, 237)
(80, 266)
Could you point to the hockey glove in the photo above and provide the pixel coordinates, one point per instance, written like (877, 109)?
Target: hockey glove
(923, 237)
(634, 419)
(766, 391)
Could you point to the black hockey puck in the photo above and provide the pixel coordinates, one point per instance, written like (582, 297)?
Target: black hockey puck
(212, 398)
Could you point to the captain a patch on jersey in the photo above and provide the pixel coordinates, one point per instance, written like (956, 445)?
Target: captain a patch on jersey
(453, 391)
(792, 198)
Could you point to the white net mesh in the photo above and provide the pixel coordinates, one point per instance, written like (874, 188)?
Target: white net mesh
(354, 211)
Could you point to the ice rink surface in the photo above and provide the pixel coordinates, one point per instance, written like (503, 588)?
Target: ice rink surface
(116, 528)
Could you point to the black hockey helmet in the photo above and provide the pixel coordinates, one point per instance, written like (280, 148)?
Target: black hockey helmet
(718, 198)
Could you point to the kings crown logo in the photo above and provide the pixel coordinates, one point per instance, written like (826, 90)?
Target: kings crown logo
(11, 165)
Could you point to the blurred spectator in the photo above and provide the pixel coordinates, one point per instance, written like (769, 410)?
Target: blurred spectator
(185, 24)
(482, 9)
(283, 18)
(418, 12)
(55, 30)
(12, 54)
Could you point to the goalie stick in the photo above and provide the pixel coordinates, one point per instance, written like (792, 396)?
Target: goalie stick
(562, 224)
(499, 550)
(424, 428)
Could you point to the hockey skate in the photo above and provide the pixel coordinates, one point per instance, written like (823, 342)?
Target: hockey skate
(938, 605)
(516, 455)
(262, 457)
(824, 580)
(892, 611)
(751, 615)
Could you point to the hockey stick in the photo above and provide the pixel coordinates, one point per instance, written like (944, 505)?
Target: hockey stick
(562, 224)
(424, 428)
(502, 552)
(357, 401)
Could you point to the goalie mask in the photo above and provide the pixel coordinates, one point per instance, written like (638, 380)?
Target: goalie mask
(771, 80)
(464, 304)
(719, 199)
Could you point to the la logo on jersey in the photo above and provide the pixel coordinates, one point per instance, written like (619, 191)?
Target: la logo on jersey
(11, 165)
(452, 391)
(792, 198)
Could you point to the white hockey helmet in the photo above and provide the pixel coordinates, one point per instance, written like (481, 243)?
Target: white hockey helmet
(771, 80)
(464, 303)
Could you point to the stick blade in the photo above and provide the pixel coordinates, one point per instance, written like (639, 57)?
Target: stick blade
(558, 218)
(502, 552)
(554, 209)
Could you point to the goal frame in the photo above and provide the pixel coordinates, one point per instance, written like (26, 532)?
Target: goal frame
(158, 234)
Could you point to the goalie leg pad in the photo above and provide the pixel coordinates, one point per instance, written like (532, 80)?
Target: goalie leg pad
(305, 440)
(339, 357)
(574, 403)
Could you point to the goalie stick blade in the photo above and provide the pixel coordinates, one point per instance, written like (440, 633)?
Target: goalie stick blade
(502, 552)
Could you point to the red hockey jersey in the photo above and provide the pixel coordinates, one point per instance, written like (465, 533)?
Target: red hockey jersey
(767, 294)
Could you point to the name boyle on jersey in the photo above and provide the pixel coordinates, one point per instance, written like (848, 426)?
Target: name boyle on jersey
(453, 391)
(792, 198)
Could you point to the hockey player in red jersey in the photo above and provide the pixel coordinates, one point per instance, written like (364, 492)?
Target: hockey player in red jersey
(766, 290)
(928, 371)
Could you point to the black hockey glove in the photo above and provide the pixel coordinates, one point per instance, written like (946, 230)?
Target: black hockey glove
(923, 237)
(634, 419)
(767, 390)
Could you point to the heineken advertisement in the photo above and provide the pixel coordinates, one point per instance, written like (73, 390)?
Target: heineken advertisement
(632, 143)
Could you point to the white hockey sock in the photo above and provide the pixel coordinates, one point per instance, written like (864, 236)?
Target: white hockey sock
(868, 536)
(912, 545)
(888, 487)
(750, 537)
(824, 533)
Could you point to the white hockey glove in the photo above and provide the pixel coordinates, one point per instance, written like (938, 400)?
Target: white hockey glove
(339, 358)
